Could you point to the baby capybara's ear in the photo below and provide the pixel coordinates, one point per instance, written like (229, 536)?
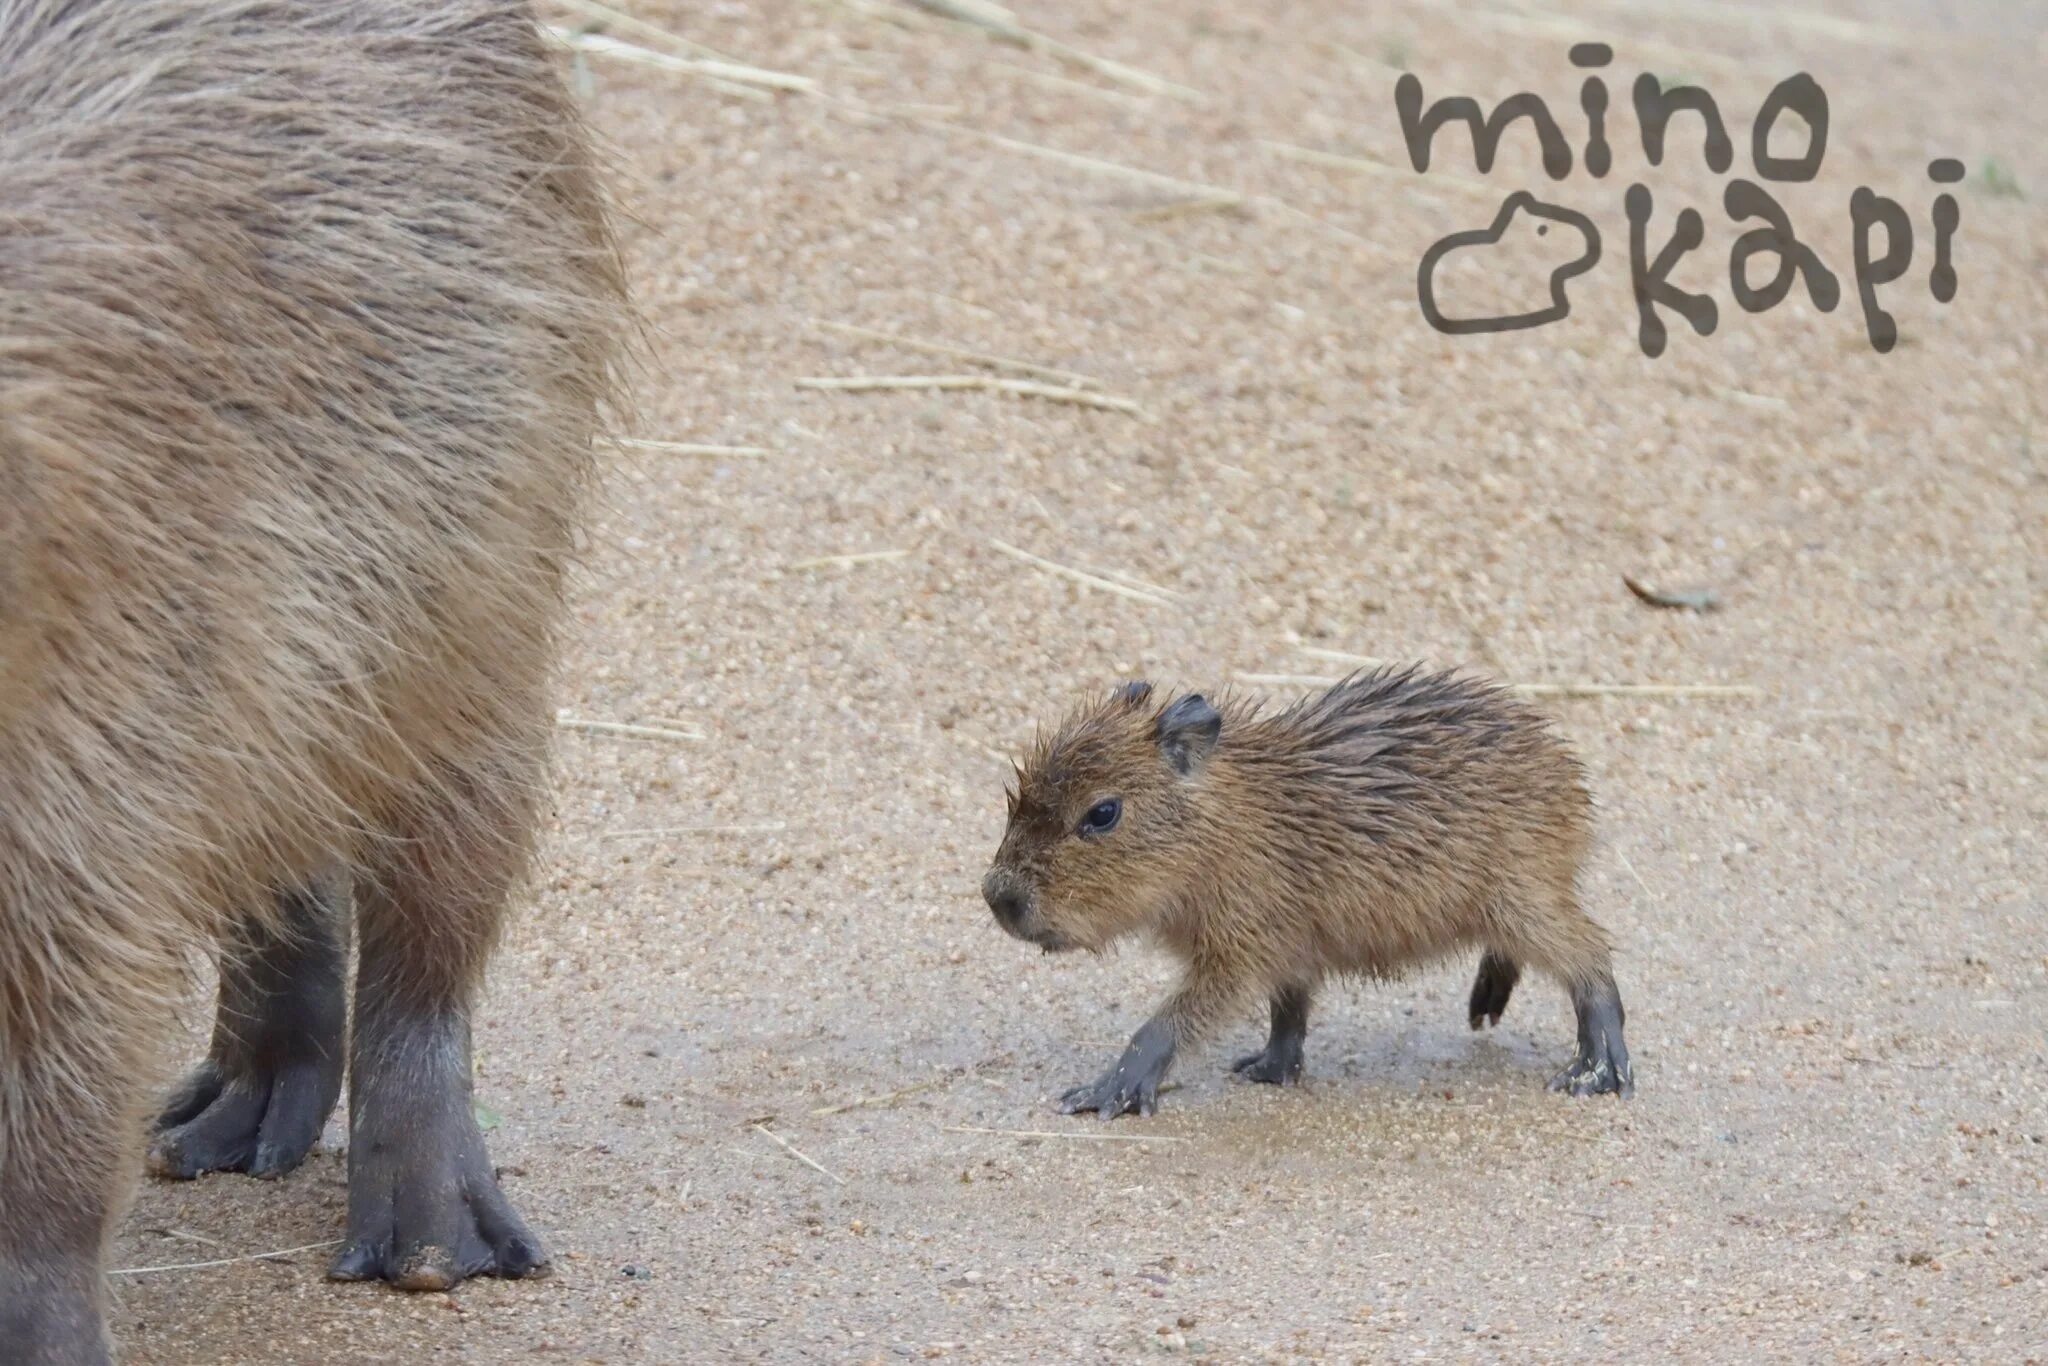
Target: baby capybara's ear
(1134, 693)
(1187, 733)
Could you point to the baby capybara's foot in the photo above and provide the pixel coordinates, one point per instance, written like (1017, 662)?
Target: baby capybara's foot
(1492, 987)
(1278, 1063)
(1602, 1066)
(1132, 1086)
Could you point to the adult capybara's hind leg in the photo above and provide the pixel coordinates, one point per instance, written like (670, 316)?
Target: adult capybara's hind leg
(424, 1207)
(272, 1076)
(78, 1032)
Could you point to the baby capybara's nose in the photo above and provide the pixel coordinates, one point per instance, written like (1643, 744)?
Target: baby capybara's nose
(1005, 900)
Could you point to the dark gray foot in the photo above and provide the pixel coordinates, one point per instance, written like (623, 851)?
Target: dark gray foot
(1492, 987)
(424, 1208)
(1602, 1066)
(1132, 1086)
(1279, 1063)
(258, 1102)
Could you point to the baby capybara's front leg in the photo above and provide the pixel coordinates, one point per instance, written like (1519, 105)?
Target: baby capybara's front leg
(424, 1207)
(1206, 994)
(273, 1073)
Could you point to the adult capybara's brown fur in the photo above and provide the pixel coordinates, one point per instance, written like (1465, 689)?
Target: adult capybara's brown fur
(308, 311)
(1394, 818)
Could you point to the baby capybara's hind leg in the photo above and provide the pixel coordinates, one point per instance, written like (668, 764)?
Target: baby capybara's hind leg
(273, 1073)
(1491, 987)
(424, 1207)
(1548, 931)
(1602, 1063)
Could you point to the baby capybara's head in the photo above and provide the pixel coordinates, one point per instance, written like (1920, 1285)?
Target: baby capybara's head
(1099, 836)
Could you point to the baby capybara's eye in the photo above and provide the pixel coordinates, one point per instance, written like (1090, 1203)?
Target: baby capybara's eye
(1101, 818)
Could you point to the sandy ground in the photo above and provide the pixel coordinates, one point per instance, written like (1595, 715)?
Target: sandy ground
(1827, 894)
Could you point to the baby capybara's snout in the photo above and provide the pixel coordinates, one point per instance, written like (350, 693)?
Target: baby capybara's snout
(1010, 902)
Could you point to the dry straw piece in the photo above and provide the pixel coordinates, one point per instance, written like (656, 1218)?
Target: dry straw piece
(799, 1154)
(936, 348)
(1135, 589)
(626, 729)
(859, 557)
(1367, 166)
(1072, 1135)
(1025, 388)
(641, 443)
(665, 831)
(270, 1256)
(1002, 24)
(705, 62)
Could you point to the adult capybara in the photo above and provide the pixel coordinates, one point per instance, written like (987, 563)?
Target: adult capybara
(1398, 816)
(308, 313)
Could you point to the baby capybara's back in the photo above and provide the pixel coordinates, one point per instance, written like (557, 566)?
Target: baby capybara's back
(306, 313)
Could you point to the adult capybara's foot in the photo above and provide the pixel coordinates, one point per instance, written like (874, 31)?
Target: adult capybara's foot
(425, 1208)
(259, 1120)
(273, 1075)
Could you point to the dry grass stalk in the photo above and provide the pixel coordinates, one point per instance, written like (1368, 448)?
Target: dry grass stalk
(1132, 581)
(1075, 1135)
(610, 16)
(1183, 208)
(895, 15)
(1068, 85)
(1210, 195)
(1002, 24)
(859, 557)
(989, 358)
(799, 1154)
(626, 729)
(1637, 48)
(1358, 58)
(886, 1098)
(1087, 163)
(664, 831)
(992, 383)
(224, 1261)
(1434, 180)
(1832, 26)
(728, 75)
(1158, 597)
(1342, 657)
(639, 443)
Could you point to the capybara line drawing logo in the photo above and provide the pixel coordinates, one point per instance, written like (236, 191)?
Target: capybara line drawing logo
(1873, 218)
(1559, 305)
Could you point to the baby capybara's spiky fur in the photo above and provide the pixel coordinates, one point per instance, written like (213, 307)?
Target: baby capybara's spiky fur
(1394, 818)
(307, 314)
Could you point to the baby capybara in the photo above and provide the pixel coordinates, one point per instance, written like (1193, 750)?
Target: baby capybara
(1398, 816)
(307, 313)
